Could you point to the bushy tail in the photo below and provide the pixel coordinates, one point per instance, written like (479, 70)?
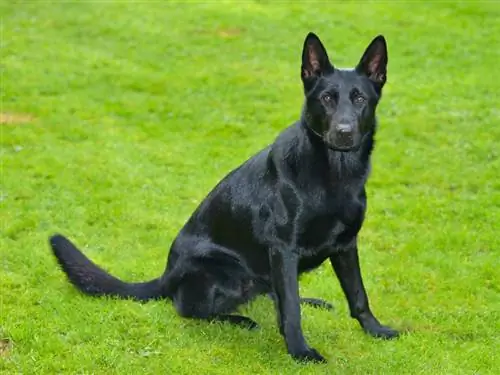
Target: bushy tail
(93, 280)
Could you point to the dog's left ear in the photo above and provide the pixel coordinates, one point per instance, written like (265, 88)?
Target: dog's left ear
(373, 64)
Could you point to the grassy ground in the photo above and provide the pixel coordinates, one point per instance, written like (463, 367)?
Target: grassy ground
(118, 118)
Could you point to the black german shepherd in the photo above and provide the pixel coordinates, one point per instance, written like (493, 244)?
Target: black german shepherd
(284, 211)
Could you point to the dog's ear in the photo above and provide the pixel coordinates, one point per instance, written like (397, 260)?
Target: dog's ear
(314, 58)
(373, 64)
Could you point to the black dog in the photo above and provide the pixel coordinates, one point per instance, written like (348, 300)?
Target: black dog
(287, 209)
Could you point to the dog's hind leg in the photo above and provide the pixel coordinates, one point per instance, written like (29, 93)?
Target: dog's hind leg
(208, 295)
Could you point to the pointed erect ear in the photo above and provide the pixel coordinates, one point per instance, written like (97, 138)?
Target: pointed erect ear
(314, 58)
(373, 64)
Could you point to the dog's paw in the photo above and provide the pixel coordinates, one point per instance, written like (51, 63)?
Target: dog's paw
(382, 332)
(308, 355)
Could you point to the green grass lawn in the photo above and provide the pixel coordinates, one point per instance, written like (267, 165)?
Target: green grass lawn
(118, 118)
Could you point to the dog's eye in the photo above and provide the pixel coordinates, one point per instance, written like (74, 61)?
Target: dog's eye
(327, 98)
(359, 99)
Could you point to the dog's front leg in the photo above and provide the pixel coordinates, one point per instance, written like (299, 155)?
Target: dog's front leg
(284, 265)
(346, 266)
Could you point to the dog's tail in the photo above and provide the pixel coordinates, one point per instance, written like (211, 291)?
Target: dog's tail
(93, 280)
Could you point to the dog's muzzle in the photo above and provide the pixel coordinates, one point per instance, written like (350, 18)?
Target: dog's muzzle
(339, 140)
(344, 136)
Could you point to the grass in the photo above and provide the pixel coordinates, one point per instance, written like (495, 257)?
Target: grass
(118, 118)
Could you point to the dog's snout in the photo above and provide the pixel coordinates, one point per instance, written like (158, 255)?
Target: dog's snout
(344, 135)
(344, 128)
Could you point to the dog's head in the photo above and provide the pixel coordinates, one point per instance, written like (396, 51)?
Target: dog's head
(340, 104)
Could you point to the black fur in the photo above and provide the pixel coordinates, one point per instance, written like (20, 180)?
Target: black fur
(286, 210)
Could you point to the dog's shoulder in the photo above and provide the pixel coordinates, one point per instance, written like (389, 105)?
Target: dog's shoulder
(288, 148)
(287, 139)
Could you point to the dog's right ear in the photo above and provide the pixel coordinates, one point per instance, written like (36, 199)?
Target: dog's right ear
(314, 59)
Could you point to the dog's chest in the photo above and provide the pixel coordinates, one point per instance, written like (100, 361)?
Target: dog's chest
(344, 206)
(330, 225)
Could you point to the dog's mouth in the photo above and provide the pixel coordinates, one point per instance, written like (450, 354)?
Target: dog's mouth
(343, 148)
(343, 143)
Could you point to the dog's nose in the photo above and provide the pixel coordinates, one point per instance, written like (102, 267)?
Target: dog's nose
(344, 128)
(345, 135)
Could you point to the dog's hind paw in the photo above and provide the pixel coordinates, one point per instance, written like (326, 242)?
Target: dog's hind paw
(239, 320)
